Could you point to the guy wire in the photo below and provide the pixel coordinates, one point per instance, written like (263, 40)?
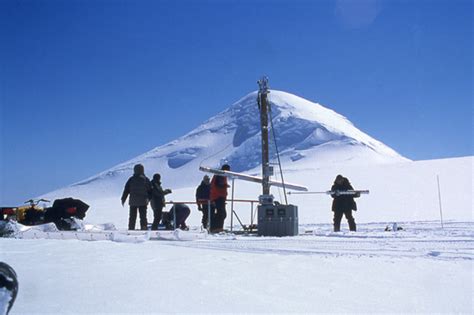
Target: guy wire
(277, 152)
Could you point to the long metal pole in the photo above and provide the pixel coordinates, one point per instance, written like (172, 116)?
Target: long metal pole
(262, 94)
(330, 192)
(251, 213)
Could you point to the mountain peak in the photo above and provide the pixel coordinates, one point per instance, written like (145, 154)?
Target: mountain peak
(305, 132)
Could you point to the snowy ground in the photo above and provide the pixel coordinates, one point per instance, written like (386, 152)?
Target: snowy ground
(422, 268)
(405, 191)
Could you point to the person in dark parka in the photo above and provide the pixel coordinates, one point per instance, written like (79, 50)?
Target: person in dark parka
(157, 200)
(343, 204)
(138, 187)
(203, 193)
(182, 212)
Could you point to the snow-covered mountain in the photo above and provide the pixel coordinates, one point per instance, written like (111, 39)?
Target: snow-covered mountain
(394, 271)
(305, 132)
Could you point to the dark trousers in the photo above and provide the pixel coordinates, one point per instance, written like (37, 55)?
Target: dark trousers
(133, 217)
(218, 214)
(157, 213)
(205, 215)
(182, 214)
(350, 219)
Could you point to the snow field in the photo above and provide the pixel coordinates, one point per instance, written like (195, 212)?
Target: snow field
(420, 269)
(398, 192)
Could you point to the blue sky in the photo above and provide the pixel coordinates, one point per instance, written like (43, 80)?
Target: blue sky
(85, 85)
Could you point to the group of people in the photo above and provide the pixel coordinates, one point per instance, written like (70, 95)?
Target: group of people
(140, 191)
(211, 196)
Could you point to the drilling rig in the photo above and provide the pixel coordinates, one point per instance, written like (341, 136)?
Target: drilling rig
(274, 219)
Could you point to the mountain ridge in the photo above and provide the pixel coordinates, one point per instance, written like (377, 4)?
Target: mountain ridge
(306, 132)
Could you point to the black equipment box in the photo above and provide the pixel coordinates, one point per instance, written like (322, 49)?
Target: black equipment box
(277, 220)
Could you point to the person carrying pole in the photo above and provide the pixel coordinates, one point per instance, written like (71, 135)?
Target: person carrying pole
(342, 203)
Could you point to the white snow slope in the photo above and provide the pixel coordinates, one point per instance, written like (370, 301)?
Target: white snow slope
(306, 132)
(421, 269)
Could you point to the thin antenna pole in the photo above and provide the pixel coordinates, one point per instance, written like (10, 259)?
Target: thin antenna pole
(440, 206)
(209, 216)
(277, 152)
(232, 207)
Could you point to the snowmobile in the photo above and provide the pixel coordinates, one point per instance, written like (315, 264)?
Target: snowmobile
(62, 213)
(7, 213)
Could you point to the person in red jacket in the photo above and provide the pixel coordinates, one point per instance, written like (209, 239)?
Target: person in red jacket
(218, 198)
